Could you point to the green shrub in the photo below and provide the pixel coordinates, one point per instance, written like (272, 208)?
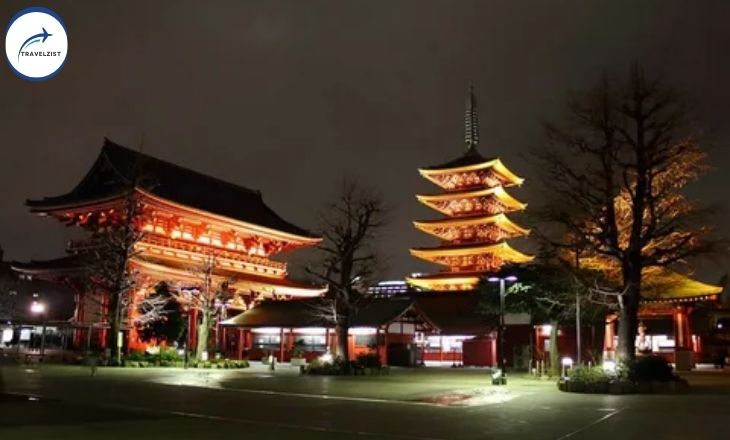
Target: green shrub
(297, 350)
(369, 360)
(168, 354)
(650, 369)
(338, 367)
(136, 356)
(241, 364)
(585, 374)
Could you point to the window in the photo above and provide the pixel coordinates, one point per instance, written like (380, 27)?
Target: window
(366, 340)
(312, 342)
(267, 342)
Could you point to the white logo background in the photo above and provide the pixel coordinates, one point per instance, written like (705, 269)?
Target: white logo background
(31, 22)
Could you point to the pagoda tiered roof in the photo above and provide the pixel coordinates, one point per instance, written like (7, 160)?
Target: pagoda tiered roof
(446, 281)
(116, 167)
(475, 228)
(431, 200)
(501, 250)
(472, 160)
(500, 220)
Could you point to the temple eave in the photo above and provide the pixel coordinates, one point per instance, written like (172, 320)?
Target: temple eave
(501, 220)
(445, 282)
(502, 250)
(496, 164)
(242, 281)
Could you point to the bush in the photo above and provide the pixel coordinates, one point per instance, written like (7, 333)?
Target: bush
(297, 350)
(341, 367)
(649, 374)
(136, 356)
(168, 355)
(370, 360)
(650, 369)
(589, 375)
(164, 357)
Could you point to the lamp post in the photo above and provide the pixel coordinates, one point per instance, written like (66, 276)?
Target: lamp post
(39, 308)
(502, 379)
(15, 321)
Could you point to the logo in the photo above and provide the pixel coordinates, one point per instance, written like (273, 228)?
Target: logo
(36, 44)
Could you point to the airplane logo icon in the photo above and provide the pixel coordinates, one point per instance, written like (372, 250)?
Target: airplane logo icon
(42, 37)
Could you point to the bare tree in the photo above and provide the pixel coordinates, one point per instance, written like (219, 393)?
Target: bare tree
(106, 257)
(206, 296)
(614, 174)
(151, 308)
(350, 226)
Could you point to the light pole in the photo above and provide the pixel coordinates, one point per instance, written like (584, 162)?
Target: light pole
(502, 379)
(577, 329)
(39, 308)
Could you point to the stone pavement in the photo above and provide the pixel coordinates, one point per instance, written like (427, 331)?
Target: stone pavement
(163, 403)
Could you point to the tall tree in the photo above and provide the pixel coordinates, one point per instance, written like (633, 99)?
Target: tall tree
(614, 174)
(106, 259)
(206, 296)
(350, 225)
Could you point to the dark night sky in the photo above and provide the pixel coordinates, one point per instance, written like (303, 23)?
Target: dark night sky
(290, 96)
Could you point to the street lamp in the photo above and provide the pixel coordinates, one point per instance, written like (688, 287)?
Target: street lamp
(39, 308)
(502, 378)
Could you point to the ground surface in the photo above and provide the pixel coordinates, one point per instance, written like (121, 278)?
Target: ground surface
(142, 404)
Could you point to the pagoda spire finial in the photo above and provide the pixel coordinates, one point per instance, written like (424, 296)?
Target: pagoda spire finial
(471, 119)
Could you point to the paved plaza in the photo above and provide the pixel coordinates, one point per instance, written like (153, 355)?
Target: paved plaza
(142, 404)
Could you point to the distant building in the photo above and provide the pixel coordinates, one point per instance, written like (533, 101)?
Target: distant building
(386, 289)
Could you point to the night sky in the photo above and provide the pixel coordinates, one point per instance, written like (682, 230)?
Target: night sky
(289, 97)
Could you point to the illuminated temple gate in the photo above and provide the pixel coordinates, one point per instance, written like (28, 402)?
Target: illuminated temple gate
(186, 219)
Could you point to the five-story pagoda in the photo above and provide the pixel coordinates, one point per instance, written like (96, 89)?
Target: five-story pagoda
(475, 227)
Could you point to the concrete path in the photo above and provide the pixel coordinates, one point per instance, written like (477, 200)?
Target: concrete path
(255, 403)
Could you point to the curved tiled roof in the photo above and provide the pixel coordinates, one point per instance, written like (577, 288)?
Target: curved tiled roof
(118, 167)
(471, 157)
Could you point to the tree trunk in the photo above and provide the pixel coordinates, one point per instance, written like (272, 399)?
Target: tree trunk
(629, 316)
(203, 330)
(343, 347)
(114, 315)
(554, 353)
(598, 336)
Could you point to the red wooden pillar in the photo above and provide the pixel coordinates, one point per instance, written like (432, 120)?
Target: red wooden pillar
(378, 346)
(683, 356)
(239, 344)
(682, 335)
(609, 344)
(192, 329)
(385, 347)
(281, 344)
(101, 335)
(351, 346)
